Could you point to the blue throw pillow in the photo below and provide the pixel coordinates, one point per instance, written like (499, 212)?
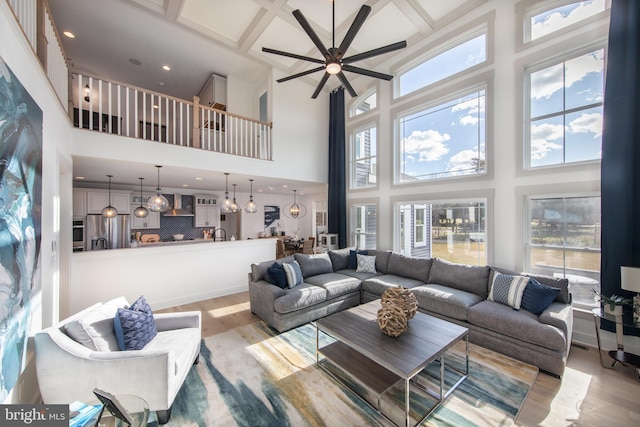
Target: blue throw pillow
(141, 304)
(277, 276)
(353, 259)
(134, 329)
(537, 297)
(293, 272)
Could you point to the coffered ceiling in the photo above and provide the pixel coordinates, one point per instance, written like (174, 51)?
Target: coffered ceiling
(199, 37)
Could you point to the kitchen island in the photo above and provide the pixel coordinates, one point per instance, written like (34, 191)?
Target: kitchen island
(166, 273)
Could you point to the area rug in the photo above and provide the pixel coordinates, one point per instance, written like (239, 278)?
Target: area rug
(254, 376)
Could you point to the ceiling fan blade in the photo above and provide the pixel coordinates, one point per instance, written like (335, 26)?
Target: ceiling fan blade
(364, 72)
(323, 80)
(304, 73)
(293, 55)
(375, 52)
(346, 84)
(353, 30)
(312, 34)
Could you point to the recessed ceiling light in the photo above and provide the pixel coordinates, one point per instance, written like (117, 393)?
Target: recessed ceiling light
(160, 83)
(285, 186)
(80, 177)
(166, 68)
(134, 61)
(155, 106)
(270, 188)
(69, 34)
(185, 185)
(260, 191)
(198, 178)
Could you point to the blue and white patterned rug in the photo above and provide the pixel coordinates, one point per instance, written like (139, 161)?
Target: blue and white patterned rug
(253, 376)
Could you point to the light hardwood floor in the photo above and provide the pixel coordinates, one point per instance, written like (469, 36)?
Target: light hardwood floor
(588, 394)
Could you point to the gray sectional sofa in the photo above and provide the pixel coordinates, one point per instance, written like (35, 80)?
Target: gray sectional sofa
(454, 292)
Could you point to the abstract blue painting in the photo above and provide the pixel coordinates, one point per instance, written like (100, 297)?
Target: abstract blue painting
(20, 222)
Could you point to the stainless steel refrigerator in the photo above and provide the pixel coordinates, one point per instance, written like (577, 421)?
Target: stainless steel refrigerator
(107, 233)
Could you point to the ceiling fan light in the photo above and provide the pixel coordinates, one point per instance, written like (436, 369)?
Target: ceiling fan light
(333, 68)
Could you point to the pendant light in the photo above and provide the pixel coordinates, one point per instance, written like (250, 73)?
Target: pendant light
(226, 204)
(141, 211)
(294, 210)
(110, 211)
(158, 203)
(234, 205)
(251, 206)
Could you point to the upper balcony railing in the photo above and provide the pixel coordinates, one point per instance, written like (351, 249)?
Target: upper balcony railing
(126, 110)
(116, 108)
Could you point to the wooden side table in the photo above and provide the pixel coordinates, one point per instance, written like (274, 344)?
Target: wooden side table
(619, 355)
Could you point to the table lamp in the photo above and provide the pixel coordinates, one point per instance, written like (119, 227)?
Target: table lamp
(630, 281)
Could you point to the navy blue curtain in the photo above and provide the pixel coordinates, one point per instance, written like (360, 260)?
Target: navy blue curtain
(620, 180)
(337, 203)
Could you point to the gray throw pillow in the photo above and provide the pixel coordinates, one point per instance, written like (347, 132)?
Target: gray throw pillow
(95, 329)
(340, 258)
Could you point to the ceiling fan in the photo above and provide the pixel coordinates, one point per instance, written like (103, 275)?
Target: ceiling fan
(334, 62)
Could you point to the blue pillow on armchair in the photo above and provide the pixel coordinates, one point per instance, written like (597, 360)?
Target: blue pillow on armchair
(135, 326)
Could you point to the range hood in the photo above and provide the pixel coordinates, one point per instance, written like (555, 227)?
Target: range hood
(176, 209)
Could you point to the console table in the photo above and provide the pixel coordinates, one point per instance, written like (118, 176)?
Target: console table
(619, 355)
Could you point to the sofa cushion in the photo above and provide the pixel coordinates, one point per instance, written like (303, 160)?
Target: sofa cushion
(134, 329)
(378, 284)
(360, 276)
(382, 260)
(293, 272)
(365, 264)
(277, 276)
(312, 265)
(95, 328)
(335, 284)
(410, 267)
(446, 301)
(508, 289)
(537, 297)
(521, 325)
(470, 278)
(302, 296)
(339, 258)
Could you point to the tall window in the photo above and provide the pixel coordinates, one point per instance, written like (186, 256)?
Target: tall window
(564, 241)
(363, 164)
(565, 111)
(364, 220)
(539, 24)
(443, 140)
(451, 230)
(367, 104)
(452, 61)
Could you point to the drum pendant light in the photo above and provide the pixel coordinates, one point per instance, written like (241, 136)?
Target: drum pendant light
(110, 211)
(226, 204)
(234, 205)
(141, 211)
(294, 210)
(251, 206)
(158, 203)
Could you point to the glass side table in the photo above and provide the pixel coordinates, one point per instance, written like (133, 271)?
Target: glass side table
(619, 355)
(135, 405)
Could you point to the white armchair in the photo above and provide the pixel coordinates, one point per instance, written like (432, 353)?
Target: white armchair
(69, 371)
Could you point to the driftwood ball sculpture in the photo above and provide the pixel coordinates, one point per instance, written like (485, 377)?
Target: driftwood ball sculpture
(392, 320)
(403, 298)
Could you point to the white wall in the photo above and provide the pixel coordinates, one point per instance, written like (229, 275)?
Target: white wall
(55, 251)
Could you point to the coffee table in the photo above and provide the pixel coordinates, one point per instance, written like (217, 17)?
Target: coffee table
(380, 362)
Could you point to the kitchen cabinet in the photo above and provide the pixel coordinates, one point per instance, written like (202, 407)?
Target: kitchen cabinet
(207, 213)
(99, 199)
(214, 92)
(79, 204)
(152, 220)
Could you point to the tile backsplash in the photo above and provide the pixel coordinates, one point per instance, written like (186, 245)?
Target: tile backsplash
(171, 225)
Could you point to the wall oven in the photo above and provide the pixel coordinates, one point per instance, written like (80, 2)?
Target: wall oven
(78, 229)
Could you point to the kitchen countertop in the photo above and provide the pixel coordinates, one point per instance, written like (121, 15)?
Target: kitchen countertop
(178, 242)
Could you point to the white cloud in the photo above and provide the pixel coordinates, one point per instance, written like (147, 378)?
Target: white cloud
(542, 137)
(587, 123)
(557, 20)
(472, 106)
(462, 161)
(469, 120)
(429, 145)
